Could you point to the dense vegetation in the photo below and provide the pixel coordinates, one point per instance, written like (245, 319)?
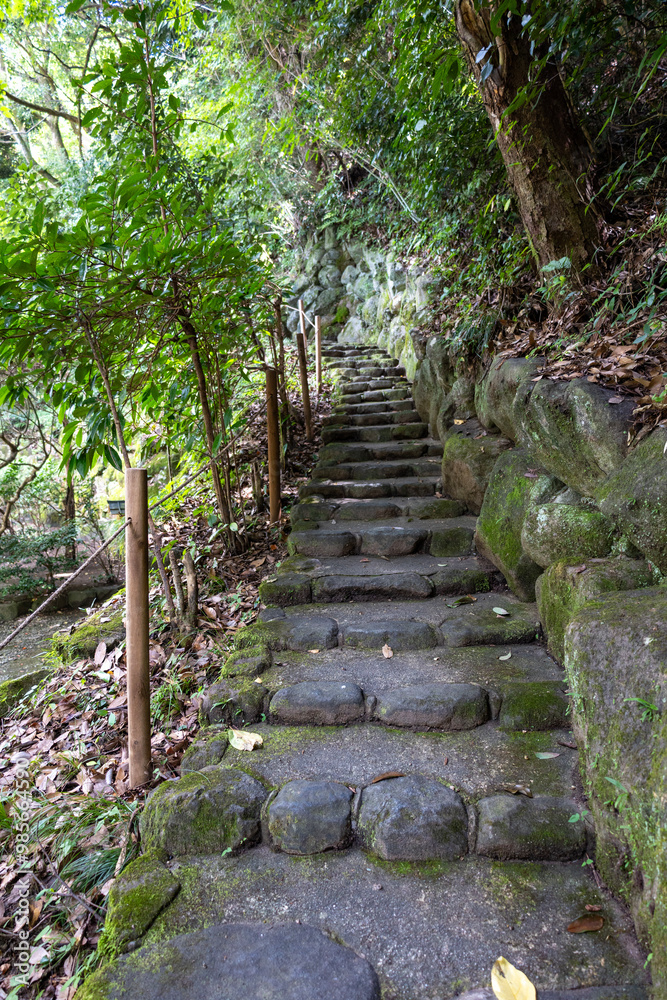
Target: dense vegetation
(160, 163)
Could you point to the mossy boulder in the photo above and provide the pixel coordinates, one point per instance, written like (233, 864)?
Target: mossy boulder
(563, 531)
(203, 812)
(563, 589)
(515, 485)
(235, 700)
(106, 624)
(530, 705)
(468, 461)
(635, 497)
(616, 663)
(12, 690)
(137, 896)
(501, 393)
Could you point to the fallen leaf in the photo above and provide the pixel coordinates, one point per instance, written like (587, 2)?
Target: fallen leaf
(501, 612)
(565, 743)
(585, 924)
(387, 651)
(364, 560)
(468, 599)
(509, 983)
(547, 755)
(519, 790)
(387, 774)
(507, 656)
(313, 650)
(240, 739)
(459, 422)
(615, 399)
(592, 907)
(100, 653)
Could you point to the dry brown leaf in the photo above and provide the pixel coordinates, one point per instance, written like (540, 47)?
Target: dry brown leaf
(240, 739)
(509, 983)
(100, 653)
(386, 775)
(589, 922)
(387, 651)
(593, 907)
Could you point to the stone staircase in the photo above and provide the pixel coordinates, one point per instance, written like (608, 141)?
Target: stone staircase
(413, 811)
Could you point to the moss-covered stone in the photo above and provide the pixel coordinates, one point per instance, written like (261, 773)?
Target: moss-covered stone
(563, 589)
(105, 624)
(12, 690)
(140, 892)
(514, 486)
(203, 812)
(615, 654)
(250, 661)
(237, 701)
(533, 705)
(285, 589)
(208, 749)
(500, 395)
(454, 541)
(468, 461)
(635, 497)
(537, 829)
(570, 532)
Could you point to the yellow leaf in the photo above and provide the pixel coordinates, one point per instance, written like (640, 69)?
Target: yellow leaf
(240, 739)
(387, 651)
(509, 983)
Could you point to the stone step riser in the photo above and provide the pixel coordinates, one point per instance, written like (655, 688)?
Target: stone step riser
(321, 543)
(337, 453)
(378, 418)
(423, 468)
(290, 590)
(395, 431)
(421, 508)
(407, 487)
(381, 406)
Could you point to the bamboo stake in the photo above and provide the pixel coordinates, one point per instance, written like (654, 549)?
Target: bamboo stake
(303, 368)
(273, 429)
(136, 583)
(318, 353)
(302, 325)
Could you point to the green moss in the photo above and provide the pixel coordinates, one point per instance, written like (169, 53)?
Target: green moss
(413, 869)
(142, 891)
(248, 661)
(13, 690)
(342, 314)
(85, 638)
(533, 705)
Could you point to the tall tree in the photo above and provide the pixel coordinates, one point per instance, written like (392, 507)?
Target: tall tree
(545, 150)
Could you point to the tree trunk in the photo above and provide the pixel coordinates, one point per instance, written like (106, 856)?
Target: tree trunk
(69, 513)
(546, 153)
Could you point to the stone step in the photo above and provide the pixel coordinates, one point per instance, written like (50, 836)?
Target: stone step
(380, 417)
(395, 430)
(380, 406)
(391, 469)
(360, 386)
(377, 395)
(406, 486)
(301, 580)
(404, 920)
(398, 537)
(336, 452)
(318, 509)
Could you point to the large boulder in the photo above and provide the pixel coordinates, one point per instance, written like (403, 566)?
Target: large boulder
(616, 663)
(515, 485)
(635, 497)
(563, 589)
(469, 457)
(500, 395)
(565, 531)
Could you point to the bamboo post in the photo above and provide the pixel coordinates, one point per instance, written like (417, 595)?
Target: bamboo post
(318, 353)
(273, 429)
(303, 369)
(302, 325)
(136, 583)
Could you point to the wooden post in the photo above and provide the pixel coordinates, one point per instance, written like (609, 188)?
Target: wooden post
(318, 353)
(303, 369)
(136, 583)
(273, 429)
(302, 325)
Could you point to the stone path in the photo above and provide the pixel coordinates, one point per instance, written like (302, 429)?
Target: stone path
(410, 814)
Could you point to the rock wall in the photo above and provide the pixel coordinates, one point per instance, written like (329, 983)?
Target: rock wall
(572, 515)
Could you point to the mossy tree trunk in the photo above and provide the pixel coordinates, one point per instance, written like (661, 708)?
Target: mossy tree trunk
(545, 150)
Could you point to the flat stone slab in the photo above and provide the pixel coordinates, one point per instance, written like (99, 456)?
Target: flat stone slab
(300, 631)
(249, 961)
(484, 627)
(307, 817)
(432, 929)
(537, 829)
(325, 703)
(534, 705)
(399, 635)
(408, 486)
(413, 819)
(478, 761)
(370, 588)
(434, 706)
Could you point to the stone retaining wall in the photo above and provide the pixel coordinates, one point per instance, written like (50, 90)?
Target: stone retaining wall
(573, 516)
